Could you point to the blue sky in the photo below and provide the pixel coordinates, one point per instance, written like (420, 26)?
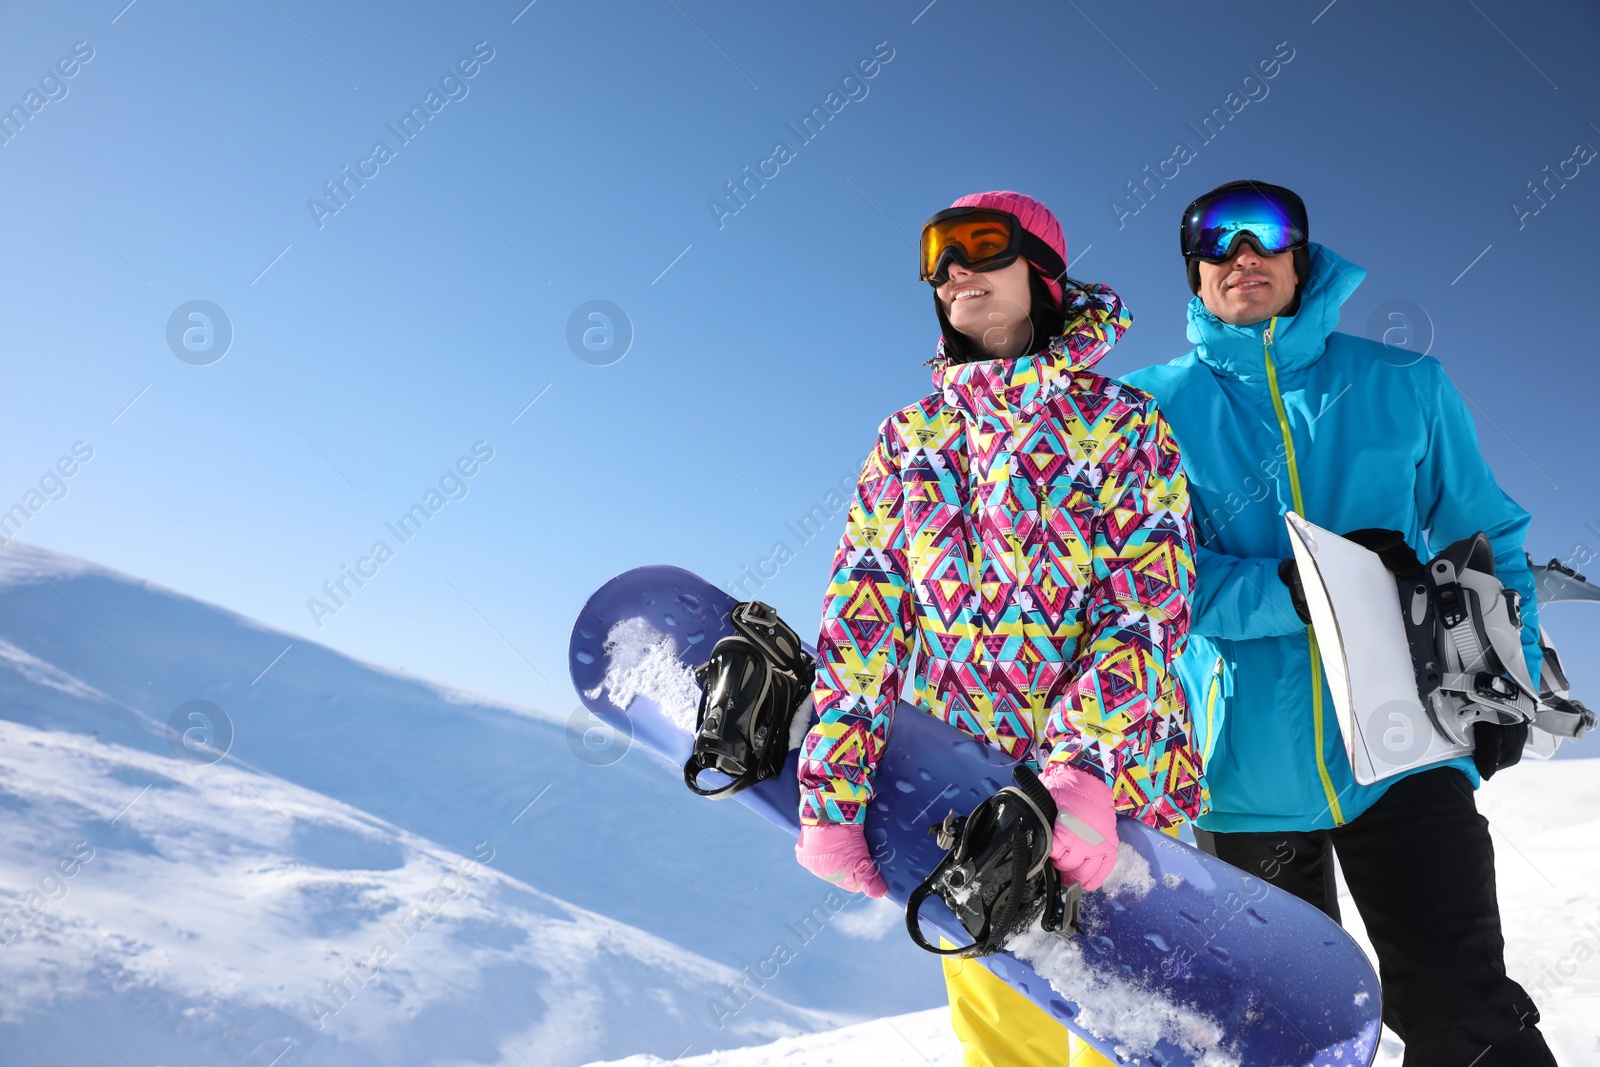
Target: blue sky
(374, 346)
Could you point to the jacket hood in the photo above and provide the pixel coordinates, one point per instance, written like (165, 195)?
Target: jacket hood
(1097, 319)
(1298, 340)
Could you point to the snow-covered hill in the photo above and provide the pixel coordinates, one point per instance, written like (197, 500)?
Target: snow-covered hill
(386, 781)
(175, 913)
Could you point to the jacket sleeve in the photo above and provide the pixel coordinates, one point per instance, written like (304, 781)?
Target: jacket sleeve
(862, 651)
(1457, 496)
(1240, 599)
(1125, 710)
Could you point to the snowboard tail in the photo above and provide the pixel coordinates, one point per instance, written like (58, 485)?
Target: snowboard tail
(1182, 958)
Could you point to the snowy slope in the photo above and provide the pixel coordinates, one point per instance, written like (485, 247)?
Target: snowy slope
(918, 1039)
(1545, 820)
(180, 913)
(84, 650)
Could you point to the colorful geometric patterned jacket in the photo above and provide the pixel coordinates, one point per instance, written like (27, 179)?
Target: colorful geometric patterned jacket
(1024, 534)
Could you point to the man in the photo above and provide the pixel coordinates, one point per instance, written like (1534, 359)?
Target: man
(1274, 410)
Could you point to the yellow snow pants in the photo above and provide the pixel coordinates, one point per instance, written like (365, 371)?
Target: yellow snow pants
(999, 1027)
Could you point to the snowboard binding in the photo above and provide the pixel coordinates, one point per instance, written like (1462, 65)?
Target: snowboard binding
(1559, 714)
(997, 877)
(1463, 627)
(1465, 631)
(756, 679)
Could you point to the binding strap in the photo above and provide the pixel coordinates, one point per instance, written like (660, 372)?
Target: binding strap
(1028, 884)
(698, 762)
(751, 686)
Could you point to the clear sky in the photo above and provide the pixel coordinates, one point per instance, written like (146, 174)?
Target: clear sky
(574, 152)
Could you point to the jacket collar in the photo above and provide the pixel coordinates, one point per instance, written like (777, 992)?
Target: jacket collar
(1298, 340)
(1097, 320)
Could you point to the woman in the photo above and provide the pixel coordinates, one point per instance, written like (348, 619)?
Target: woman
(1024, 533)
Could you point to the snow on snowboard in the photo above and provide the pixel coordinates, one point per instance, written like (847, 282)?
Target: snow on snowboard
(1182, 958)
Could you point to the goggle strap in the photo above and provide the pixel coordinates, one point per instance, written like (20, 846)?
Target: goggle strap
(1043, 257)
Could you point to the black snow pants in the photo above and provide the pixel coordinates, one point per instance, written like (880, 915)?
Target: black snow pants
(1420, 867)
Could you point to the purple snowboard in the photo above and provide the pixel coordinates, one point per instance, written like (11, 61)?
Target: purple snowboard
(1183, 959)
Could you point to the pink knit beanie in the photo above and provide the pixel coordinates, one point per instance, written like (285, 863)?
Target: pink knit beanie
(1035, 218)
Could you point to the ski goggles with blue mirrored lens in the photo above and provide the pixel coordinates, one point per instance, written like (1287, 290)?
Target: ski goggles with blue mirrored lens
(1271, 218)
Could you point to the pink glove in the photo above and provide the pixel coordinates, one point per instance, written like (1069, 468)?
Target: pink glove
(1084, 847)
(838, 853)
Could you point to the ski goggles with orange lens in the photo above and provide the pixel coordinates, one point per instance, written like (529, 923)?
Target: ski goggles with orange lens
(1270, 217)
(980, 239)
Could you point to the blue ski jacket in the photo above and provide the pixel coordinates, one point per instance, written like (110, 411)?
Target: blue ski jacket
(1351, 434)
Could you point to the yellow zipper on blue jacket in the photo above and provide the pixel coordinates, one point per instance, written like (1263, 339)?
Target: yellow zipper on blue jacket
(1300, 509)
(1212, 692)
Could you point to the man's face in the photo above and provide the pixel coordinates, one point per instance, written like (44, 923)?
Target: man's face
(1248, 288)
